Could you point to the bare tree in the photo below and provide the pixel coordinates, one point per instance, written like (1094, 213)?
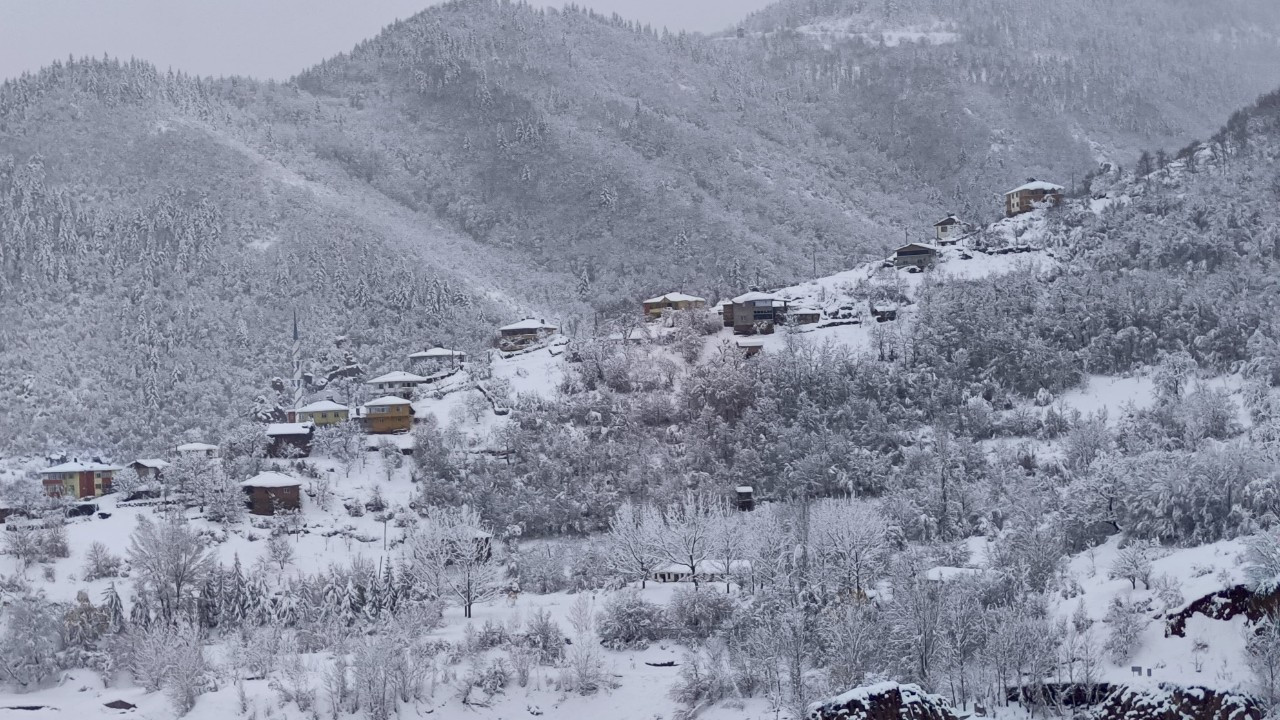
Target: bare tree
(850, 539)
(170, 558)
(450, 551)
(686, 535)
(632, 539)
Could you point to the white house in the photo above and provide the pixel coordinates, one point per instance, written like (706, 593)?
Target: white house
(438, 356)
(399, 383)
(950, 229)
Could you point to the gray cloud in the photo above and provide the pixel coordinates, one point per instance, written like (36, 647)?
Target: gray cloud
(260, 38)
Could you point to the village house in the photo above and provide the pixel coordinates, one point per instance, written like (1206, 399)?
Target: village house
(708, 571)
(149, 470)
(438, 357)
(324, 412)
(746, 498)
(198, 448)
(755, 312)
(517, 336)
(803, 315)
(290, 440)
(919, 255)
(654, 307)
(386, 415)
(950, 229)
(751, 347)
(271, 491)
(399, 383)
(78, 479)
(1026, 197)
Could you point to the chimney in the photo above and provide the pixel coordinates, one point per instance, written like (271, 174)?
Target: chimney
(1031, 180)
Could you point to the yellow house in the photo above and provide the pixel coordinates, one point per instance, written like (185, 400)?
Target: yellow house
(324, 412)
(653, 307)
(77, 479)
(389, 414)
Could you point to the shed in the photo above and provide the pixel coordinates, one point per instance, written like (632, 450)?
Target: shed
(884, 311)
(267, 491)
(149, 468)
(915, 255)
(751, 347)
(198, 448)
(746, 497)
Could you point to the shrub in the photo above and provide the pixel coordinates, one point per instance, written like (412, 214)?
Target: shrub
(629, 620)
(544, 637)
(99, 563)
(698, 614)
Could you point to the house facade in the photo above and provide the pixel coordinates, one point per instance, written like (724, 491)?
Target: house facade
(654, 307)
(755, 312)
(387, 415)
(950, 229)
(518, 336)
(77, 479)
(399, 383)
(325, 412)
(271, 491)
(919, 255)
(1026, 198)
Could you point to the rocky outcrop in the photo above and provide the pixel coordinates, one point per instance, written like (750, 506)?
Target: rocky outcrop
(1174, 702)
(883, 701)
(1224, 605)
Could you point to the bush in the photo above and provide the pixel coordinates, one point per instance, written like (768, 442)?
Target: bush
(99, 563)
(544, 637)
(698, 614)
(630, 621)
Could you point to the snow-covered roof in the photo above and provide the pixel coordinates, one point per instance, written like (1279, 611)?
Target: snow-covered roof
(437, 352)
(674, 297)
(804, 310)
(303, 428)
(529, 324)
(750, 343)
(387, 401)
(196, 447)
(754, 297)
(926, 246)
(1037, 185)
(398, 376)
(271, 480)
(78, 466)
(154, 464)
(948, 220)
(322, 406)
(885, 307)
(745, 489)
(706, 566)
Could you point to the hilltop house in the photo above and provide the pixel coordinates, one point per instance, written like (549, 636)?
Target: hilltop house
(389, 414)
(438, 357)
(919, 255)
(755, 312)
(653, 307)
(1026, 197)
(324, 412)
(290, 440)
(198, 448)
(517, 336)
(397, 383)
(77, 479)
(950, 229)
(269, 491)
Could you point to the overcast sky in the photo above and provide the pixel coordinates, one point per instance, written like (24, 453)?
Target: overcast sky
(260, 38)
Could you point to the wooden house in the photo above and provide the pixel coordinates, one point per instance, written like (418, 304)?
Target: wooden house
(149, 470)
(438, 357)
(324, 412)
(919, 255)
(290, 440)
(269, 491)
(78, 479)
(654, 307)
(949, 230)
(755, 312)
(518, 336)
(1027, 197)
(198, 448)
(387, 415)
(884, 311)
(746, 498)
(399, 383)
